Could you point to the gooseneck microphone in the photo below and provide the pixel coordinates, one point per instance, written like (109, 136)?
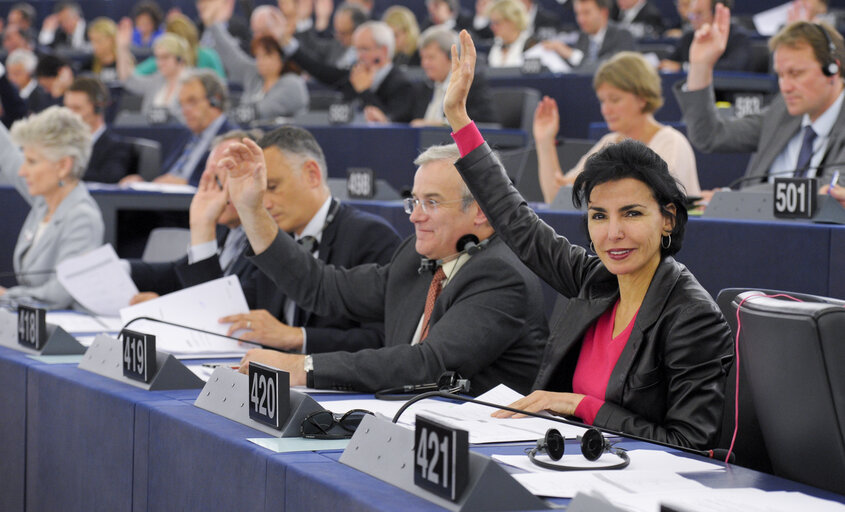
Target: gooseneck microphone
(188, 327)
(762, 178)
(716, 453)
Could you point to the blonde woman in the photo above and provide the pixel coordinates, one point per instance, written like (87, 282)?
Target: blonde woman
(406, 32)
(102, 33)
(509, 23)
(64, 220)
(628, 89)
(200, 57)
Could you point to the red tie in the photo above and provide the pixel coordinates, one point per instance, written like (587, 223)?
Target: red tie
(433, 293)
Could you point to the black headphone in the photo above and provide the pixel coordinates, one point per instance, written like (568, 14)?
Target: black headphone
(468, 244)
(450, 382)
(593, 445)
(310, 243)
(831, 66)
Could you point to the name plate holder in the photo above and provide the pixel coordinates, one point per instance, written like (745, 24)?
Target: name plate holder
(105, 357)
(382, 449)
(58, 341)
(227, 394)
(759, 205)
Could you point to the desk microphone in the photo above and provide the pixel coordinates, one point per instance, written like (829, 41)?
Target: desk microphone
(716, 453)
(188, 327)
(761, 179)
(468, 244)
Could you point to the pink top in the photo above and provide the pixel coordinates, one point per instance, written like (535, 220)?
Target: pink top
(600, 350)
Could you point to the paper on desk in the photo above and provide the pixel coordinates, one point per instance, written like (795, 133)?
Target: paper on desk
(168, 188)
(566, 484)
(641, 460)
(97, 280)
(768, 22)
(298, 444)
(200, 307)
(718, 500)
(78, 322)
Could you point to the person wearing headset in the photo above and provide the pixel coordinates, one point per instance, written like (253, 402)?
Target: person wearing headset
(641, 347)
(111, 156)
(802, 131)
(478, 313)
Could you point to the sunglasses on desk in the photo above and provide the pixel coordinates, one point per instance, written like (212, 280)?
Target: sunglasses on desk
(329, 425)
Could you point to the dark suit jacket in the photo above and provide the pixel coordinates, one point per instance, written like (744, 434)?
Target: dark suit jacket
(39, 99)
(480, 104)
(669, 382)
(393, 96)
(14, 107)
(488, 323)
(615, 40)
(352, 238)
(737, 55)
(227, 126)
(649, 17)
(111, 157)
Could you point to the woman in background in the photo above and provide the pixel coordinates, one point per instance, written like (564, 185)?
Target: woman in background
(406, 32)
(102, 33)
(628, 89)
(160, 91)
(509, 23)
(64, 220)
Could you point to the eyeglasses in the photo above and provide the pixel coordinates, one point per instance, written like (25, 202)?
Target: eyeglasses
(428, 206)
(319, 424)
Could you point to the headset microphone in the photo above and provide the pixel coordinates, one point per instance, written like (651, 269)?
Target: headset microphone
(467, 244)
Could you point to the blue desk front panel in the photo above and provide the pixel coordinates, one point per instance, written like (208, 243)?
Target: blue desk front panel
(80, 441)
(14, 366)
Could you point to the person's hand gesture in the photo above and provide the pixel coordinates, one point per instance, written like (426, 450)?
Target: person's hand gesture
(361, 77)
(711, 39)
(563, 404)
(546, 120)
(124, 33)
(247, 175)
(463, 72)
(208, 203)
(210, 12)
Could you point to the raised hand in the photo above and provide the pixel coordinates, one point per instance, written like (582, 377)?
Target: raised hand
(361, 77)
(208, 203)
(247, 171)
(711, 39)
(463, 72)
(546, 120)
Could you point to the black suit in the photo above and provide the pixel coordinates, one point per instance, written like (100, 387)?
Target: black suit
(736, 57)
(194, 179)
(480, 106)
(394, 96)
(615, 40)
(14, 107)
(111, 158)
(649, 18)
(352, 238)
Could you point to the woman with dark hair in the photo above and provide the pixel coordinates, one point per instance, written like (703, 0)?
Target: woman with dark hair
(641, 347)
(271, 89)
(147, 18)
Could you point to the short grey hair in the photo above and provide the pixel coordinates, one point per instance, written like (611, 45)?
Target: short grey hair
(215, 88)
(454, 5)
(442, 36)
(293, 140)
(25, 57)
(451, 154)
(382, 35)
(56, 132)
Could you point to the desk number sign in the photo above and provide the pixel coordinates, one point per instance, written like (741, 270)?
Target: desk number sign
(360, 183)
(139, 355)
(269, 394)
(441, 458)
(32, 327)
(795, 198)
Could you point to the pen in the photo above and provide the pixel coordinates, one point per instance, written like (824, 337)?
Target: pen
(833, 181)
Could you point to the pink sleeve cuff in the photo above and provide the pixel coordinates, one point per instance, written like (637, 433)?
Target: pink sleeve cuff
(468, 138)
(588, 409)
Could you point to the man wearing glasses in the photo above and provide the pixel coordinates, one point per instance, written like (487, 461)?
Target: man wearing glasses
(475, 309)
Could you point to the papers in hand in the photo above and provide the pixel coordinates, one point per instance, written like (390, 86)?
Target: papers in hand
(199, 307)
(98, 281)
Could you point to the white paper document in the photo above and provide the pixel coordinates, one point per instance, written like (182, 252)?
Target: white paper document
(167, 188)
(98, 281)
(719, 500)
(200, 307)
(76, 322)
(566, 484)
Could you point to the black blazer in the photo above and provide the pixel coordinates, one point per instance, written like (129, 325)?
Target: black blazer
(649, 17)
(615, 40)
(669, 382)
(352, 238)
(480, 104)
(393, 96)
(737, 55)
(111, 158)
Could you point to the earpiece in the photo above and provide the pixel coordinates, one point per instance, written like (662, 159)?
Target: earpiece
(215, 102)
(593, 445)
(831, 66)
(310, 243)
(468, 244)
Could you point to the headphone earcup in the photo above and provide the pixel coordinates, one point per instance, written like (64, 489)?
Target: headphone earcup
(593, 444)
(552, 443)
(832, 69)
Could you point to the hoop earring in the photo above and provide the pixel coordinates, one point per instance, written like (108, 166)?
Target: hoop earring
(592, 247)
(668, 239)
